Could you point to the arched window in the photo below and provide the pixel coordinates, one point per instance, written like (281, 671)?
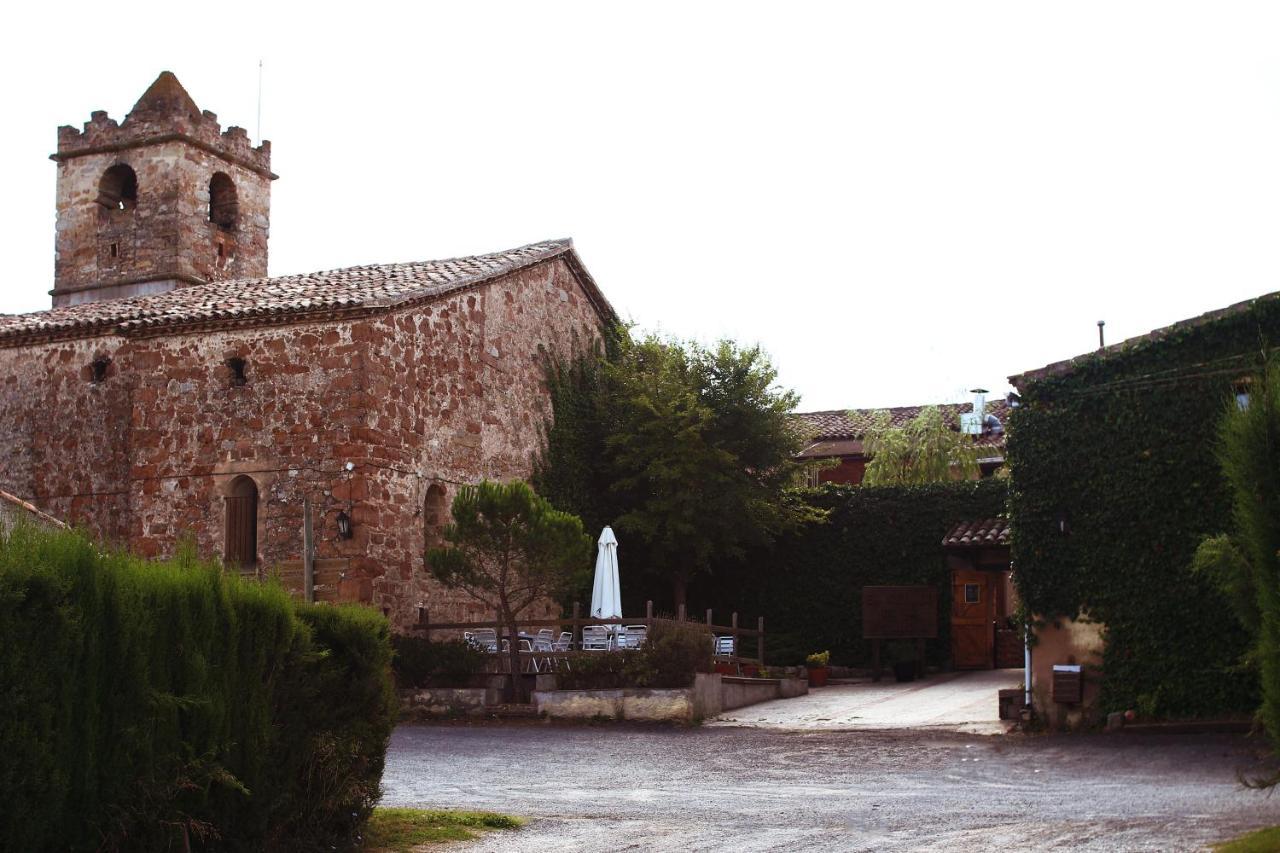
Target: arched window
(224, 209)
(435, 513)
(118, 188)
(242, 524)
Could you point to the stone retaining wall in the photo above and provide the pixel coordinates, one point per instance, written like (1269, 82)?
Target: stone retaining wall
(710, 695)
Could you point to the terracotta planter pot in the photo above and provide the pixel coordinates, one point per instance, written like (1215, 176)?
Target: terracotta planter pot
(725, 668)
(749, 671)
(818, 676)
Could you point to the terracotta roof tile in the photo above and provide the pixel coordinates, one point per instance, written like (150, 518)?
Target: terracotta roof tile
(268, 299)
(988, 532)
(852, 424)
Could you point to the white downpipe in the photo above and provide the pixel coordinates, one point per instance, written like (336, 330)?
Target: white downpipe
(1026, 665)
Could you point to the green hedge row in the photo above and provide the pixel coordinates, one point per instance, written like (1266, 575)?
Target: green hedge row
(1121, 452)
(143, 702)
(809, 586)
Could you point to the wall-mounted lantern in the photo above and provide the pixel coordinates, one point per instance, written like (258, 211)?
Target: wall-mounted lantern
(344, 525)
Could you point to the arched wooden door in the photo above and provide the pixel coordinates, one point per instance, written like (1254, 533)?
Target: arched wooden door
(242, 524)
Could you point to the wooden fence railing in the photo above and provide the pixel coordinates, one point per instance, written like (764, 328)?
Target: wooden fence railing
(575, 623)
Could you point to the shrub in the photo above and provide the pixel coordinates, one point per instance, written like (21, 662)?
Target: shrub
(142, 704)
(337, 713)
(418, 662)
(672, 654)
(598, 671)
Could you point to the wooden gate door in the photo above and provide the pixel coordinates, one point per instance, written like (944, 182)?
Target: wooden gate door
(972, 620)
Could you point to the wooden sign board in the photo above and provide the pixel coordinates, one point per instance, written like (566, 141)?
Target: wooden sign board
(899, 612)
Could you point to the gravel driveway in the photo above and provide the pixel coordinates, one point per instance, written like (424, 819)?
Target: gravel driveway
(748, 789)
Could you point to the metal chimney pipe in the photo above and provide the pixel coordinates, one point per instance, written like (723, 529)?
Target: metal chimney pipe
(1102, 344)
(979, 410)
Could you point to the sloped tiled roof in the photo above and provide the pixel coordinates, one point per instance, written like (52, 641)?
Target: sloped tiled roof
(846, 424)
(988, 532)
(342, 292)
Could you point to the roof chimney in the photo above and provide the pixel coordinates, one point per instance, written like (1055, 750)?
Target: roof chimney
(972, 423)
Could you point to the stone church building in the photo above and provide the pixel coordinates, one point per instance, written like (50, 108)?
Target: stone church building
(173, 390)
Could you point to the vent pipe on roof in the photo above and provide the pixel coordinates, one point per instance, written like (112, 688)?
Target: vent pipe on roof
(972, 423)
(1102, 344)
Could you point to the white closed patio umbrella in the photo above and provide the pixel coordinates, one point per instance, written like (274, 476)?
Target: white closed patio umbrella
(606, 595)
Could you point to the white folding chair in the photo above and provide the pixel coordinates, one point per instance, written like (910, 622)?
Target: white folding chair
(725, 646)
(564, 644)
(636, 635)
(486, 639)
(528, 647)
(595, 638)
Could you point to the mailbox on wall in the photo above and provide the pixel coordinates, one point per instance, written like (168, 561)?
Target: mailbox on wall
(1068, 684)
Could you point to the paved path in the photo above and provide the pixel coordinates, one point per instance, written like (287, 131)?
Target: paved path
(965, 702)
(594, 788)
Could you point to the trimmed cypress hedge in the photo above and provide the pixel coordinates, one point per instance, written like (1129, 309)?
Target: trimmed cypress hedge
(1120, 451)
(809, 586)
(141, 702)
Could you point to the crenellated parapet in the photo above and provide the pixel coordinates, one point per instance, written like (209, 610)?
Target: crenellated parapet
(165, 112)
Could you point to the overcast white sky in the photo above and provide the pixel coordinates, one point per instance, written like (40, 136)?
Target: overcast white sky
(897, 200)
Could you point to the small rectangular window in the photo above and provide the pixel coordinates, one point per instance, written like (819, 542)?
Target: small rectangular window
(115, 250)
(972, 593)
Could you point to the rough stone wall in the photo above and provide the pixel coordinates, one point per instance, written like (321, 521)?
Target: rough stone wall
(66, 437)
(435, 395)
(167, 238)
(143, 456)
(290, 428)
(462, 394)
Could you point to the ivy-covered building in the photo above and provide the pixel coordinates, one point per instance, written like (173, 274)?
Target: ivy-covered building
(1115, 482)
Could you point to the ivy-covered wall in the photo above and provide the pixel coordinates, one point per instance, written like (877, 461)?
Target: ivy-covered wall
(809, 586)
(1119, 448)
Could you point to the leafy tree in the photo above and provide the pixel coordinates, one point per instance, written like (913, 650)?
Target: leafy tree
(926, 450)
(686, 450)
(507, 548)
(1246, 566)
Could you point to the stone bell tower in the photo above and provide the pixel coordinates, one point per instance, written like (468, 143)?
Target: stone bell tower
(162, 200)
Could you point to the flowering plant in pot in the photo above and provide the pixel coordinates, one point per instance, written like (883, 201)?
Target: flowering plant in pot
(819, 668)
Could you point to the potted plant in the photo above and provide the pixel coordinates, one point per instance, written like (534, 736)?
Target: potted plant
(901, 657)
(818, 664)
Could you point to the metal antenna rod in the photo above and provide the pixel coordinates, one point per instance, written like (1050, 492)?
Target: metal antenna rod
(1102, 344)
(259, 100)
